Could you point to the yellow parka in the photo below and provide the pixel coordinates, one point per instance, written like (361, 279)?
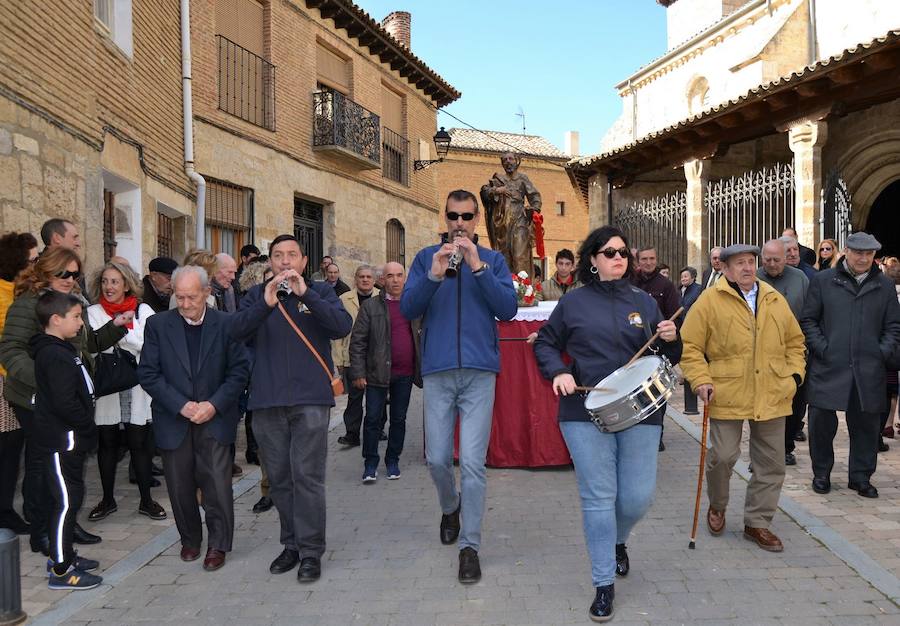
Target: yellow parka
(750, 361)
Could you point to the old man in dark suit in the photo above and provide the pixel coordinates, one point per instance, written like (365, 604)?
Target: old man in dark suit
(195, 373)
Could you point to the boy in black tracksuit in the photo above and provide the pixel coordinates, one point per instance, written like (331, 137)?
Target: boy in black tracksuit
(64, 416)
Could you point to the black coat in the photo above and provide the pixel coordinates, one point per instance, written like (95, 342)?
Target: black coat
(165, 374)
(851, 332)
(370, 344)
(690, 296)
(660, 289)
(152, 299)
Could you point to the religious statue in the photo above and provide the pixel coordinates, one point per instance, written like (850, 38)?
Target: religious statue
(509, 222)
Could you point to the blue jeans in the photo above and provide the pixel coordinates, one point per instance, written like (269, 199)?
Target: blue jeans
(468, 393)
(616, 475)
(400, 389)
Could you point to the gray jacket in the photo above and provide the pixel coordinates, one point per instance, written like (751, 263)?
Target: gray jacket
(792, 284)
(851, 330)
(370, 344)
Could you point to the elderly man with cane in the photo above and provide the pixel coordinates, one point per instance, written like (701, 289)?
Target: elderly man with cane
(744, 356)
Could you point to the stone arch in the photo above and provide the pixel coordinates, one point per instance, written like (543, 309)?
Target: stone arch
(868, 167)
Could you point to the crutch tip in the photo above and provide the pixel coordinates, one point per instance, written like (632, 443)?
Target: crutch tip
(692, 545)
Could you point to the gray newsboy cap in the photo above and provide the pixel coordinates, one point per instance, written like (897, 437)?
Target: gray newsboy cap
(738, 248)
(862, 241)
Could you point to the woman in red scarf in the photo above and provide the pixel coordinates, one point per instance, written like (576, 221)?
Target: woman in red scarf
(117, 291)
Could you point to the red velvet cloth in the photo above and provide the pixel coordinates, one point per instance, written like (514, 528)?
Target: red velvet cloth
(525, 432)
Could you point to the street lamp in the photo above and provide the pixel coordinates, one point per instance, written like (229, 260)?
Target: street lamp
(441, 146)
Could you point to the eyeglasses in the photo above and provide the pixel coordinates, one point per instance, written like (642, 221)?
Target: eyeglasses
(825, 249)
(610, 253)
(453, 216)
(64, 275)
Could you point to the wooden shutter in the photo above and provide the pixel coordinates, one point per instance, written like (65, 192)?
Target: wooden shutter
(228, 205)
(332, 69)
(391, 110)
(241, 21)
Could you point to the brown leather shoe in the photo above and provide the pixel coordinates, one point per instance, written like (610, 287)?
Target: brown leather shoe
(763, 538)
(214, 560)
(715, 521)
(189, 554)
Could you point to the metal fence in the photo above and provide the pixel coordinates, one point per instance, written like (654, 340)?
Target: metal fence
(246, 84)
(751, 208)
(659, 222)
(836, 209)
(339, 121)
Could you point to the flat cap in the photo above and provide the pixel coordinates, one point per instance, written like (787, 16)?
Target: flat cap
(862, 241)
(738, 248)
(163, 265)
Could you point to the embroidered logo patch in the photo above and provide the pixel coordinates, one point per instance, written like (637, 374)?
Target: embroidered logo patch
(635, 319)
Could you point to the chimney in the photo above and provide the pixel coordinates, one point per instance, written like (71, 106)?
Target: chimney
(572, 148)
(397, 24)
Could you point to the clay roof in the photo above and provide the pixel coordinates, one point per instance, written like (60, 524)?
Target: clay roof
(494, 141)
(809, 72)
(370, 34)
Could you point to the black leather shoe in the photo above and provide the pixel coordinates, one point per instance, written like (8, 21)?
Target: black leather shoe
(821, 485)
(790, 459)
(469, 567)
(264, 504)
(348, 441)
(40, 544)
(622, 564)
(80, 535)
(285, 562)
(800, 436)
(882, 446)
(865, 489)
(602, 607)
(103, 510)
(450, 526)
(662, 446)
(310, 570)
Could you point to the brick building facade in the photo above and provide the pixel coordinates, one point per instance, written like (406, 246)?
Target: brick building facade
(474, 157)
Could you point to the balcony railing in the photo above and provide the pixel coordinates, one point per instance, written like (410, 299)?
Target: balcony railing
(246, 84)
(395, 162)
(342, 126)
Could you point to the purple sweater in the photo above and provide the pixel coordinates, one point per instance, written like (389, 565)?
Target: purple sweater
(403, 353)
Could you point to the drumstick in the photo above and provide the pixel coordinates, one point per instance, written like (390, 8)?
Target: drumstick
(655, 336)
(693, 544)
(513, 339)
(604, 389)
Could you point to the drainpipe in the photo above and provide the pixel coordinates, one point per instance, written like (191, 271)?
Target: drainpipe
(812, 34)
(189, 124)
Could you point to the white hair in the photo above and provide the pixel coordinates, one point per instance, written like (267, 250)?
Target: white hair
(788, 240)
(364, 267)
(187, 270)
(224, 257)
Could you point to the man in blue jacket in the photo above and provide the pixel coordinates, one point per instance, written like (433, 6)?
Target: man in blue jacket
(460, 361)
(291, 397)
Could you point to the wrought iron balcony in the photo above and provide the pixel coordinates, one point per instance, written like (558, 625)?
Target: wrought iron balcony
(345, 128)
(246, 84)
(395, 164)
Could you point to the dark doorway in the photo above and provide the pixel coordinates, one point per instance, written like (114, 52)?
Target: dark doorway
(884, 219)
(308, 231)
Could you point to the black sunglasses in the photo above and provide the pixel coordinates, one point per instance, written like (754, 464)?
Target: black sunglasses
(64, 275)
(825, 249)
(612, 252)
(453, 216)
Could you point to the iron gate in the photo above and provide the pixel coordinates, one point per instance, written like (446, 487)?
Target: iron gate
(751, 208)
(308, 231)
(836, 209)
(659, 222)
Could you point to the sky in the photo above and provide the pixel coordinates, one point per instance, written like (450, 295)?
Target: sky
(557, 61)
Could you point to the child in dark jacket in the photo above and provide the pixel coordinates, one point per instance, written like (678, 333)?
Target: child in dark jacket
(64, 419)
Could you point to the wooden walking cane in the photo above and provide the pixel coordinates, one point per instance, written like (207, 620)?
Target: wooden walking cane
(693, 544)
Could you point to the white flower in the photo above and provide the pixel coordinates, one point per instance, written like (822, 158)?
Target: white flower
(523, 274)
(529, 291)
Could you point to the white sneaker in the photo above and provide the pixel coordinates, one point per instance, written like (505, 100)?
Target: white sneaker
(369, 477)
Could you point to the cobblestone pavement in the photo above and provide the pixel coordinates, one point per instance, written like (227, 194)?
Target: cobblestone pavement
(385, 565)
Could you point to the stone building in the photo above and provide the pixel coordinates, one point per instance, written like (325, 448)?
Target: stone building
(473, 158)
(761, 114)
(90, 123)
(308, 117)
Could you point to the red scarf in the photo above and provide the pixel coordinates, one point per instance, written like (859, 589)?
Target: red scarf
(130, 303)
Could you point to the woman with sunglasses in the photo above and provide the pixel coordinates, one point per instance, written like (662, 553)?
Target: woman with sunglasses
(117, 291)
(17, 251)
(828, 255)
(601, 326)
(58, 269)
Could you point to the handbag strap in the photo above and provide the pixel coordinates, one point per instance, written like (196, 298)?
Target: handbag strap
(300, 334)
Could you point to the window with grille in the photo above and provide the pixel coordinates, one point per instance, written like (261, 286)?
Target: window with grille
(396, 242)
(109, 225)
(560, 208)
(165, 235)
(229, 216)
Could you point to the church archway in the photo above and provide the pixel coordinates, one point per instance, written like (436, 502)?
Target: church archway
(884, 219)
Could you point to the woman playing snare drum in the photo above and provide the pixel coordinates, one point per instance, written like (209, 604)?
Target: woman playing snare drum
(601, 326)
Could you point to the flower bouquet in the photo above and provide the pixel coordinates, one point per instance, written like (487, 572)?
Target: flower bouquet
(526, 291)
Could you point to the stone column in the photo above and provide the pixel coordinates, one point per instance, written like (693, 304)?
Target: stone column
(598, 201)
(697, 228)
(806, 139)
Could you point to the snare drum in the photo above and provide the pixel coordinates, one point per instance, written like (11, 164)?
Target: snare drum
(631, 394)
